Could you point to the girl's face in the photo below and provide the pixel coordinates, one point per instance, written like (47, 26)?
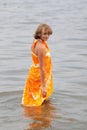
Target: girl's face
(44, 35)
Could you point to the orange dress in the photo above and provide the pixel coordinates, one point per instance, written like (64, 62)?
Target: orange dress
(32, 95)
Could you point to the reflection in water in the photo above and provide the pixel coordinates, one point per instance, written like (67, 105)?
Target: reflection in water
(42, 115)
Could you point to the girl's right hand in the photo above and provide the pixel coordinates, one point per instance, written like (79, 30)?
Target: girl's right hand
(44, 92)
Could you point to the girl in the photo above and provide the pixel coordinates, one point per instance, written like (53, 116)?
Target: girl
(39, 85)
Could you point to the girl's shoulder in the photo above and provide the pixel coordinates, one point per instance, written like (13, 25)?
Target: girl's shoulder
(38, 47)
(37, 43)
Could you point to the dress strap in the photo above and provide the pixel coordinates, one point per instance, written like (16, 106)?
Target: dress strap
(33, 54)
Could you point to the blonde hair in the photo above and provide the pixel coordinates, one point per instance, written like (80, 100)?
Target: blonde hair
(39, 30)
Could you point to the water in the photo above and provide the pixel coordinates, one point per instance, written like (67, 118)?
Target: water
(67, 108)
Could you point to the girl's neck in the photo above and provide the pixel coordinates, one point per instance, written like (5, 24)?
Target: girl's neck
(41, 40)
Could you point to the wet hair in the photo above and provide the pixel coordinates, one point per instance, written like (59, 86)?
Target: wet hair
(39, 30)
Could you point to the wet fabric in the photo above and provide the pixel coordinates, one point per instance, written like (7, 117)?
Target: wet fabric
(32, 95)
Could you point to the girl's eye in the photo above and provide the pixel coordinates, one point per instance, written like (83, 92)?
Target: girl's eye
(45, 33)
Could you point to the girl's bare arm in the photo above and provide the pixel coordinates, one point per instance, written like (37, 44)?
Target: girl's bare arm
(40, 50)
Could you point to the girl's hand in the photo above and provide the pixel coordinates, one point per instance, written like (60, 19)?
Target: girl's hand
(44, 92)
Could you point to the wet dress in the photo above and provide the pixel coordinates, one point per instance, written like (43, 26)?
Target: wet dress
(32, 94)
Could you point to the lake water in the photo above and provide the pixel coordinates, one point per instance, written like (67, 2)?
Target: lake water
(67, 108)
